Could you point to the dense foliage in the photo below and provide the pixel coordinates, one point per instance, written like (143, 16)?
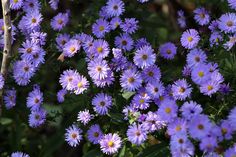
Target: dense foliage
(121, 78)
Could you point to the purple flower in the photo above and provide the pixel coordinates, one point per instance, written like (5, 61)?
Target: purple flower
(199, 126)
(230, 43)
(100, 28)
(29, 49)
(226, 130)
(67, 78)
(61, 41)
(190, 109)
(232, 4)
(225, 89)
(130, 25)
(100, 48)
(101, 103)
(141, 101)
(232, 118)
(181, 19)
(186, 71)
(54, 4)
(136, 134)
(177, 126)
(114, 7)
(38, 37)
(61, 95)
(200, 74)
(10, 98)
(19, 154)
(153, 122)
(84, 117)
(215, 39)
(110, 143)
(73, 135)
(37, 118)
(208, 144)
(144, 57)
(168, 50)
(201, 16)
(227, 23)
(168, 110)
(230, 152)
(59, 21)
(2, 81)
(209, 87)
(98, 69)
(130, 80)
(124, 41)
(213, 25)
(181, 89)
(151, 74)
(71, 48)
(16, 4)
(141, 42)
(31, 5)
(190, 39)
(80, 84)
(33, 20)
(155, 89)
(142, 1)
(115, 23)
(94, 134)
(195, 57)
(35, 98)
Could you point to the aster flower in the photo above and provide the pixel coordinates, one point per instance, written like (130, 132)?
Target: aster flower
(100, 48)
(179, 140)
(59, 21)
(199, 126)
(84, 117)
(102, 102)
(10, 98)
(16, 4)
(209, 87)
(35, 98)
(186, 71)
(129, 25)
(114, 7)
(33, 20)
(38, 37)
(130, 80)
(186, 150)
(103, 12)
(141, 101)
(226, 130)
(142, 1)
(190, 109)
(67, 77)
(136, 134)
(227, 23)
(79, 84)
(181, 19)
(201, 16)
(200, 74)
(144, 57)
(177, 126)
(94, 134)
(61, 40)
(215, 38)
(29, 49)
(213, 26)
(225, 89)
(38, 58)
(168, 50)
(230, 43)
(115, 23)
(151, 74)
(37, 118)
(31, 5)
(181, 89)
(100, 28)
(190, 39)
(195, 57)
(2, 81)
(19, 154)
(155, 89)
(232, 118)
(110, 143)
(54, 4)
(232, 4)
(107, 81)
(141, 42)
(98, 69)
(124, 41)
(208, 144)
(168, 110)
(73, 135)
(230, 152)
(61, 95)
(71, 48)
(153, 122)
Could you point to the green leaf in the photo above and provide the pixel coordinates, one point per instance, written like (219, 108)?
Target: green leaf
(5, 121)
(122, 152)
(93, 153)
(155, 150)
(127, 95)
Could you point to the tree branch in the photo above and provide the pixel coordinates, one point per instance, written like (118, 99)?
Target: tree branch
(7, 44)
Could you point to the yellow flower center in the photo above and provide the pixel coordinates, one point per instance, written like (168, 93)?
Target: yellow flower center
(99, 69)
(99, 49)
(168, 51)
(141, 101)
(34, 20)
(190, 39)
(96, 134)
(80, 84)
(209, 88)
(200, 74)
(131, 80)
(229, 23)
(29, 50)
(74, 135)
(168, 110)
(15, 1)
(200, 127)
(224, 131)
(72, 49)
(178, 128)
(182, 90)
(60, 21)
(202, 15)
(110, 143)
(101, 28)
